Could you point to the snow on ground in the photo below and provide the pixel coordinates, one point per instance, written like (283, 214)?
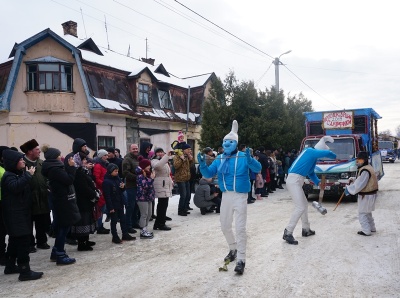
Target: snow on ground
(184, 262)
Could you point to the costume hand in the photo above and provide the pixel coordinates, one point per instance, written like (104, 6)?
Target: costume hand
(31, 170)
(248, 155)
(153, 175)
(200, 159)
(346, 192)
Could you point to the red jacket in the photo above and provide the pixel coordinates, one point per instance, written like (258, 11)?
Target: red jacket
(99, 172)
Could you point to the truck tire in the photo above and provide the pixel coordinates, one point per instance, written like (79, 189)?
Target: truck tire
(391, 161)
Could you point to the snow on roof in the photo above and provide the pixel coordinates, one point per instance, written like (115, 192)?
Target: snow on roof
(133, 65)
(113, 105)
(48, 59)
(192, 116)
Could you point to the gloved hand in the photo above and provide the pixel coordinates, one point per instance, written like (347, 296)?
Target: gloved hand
(346, 192)
(248, 155)
(200, 159)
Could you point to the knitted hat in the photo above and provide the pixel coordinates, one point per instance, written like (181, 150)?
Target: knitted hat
(25, 147)
(233, 134)
(111, 168)
(101, 153)
(50, 153)
(321, 144)
(143, 162)
(185, 146)
(11, 159)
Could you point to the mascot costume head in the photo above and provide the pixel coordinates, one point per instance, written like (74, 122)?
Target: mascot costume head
(230, 141)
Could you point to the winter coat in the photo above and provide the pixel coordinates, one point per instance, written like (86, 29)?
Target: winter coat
(263, 160)
(16, 196)
(2, 171)
(99, 171)
(61, 183)
(129, 165)
(117, 161)
(38, 184)
(85, 190)
(163, 184)
(203, 195)
(182, 169)
(145, 187)
(113, 194)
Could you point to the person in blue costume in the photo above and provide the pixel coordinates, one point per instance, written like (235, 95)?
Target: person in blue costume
(303, 166)
(232, 168)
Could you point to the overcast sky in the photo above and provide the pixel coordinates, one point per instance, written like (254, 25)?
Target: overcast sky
(345, 54)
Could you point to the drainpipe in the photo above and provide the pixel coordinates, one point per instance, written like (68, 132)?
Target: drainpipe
(188, 110)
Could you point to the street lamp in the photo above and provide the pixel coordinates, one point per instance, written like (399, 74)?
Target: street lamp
(277, 62)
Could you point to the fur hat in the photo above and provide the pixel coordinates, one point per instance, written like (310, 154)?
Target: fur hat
(50, 153)
(111, 168)
(233, 134)
(25, 147)
(101, 153)
(321, 144)
(143, 162)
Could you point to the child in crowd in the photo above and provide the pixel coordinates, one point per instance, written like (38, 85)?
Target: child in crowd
(280, 175)
(145, 195)
(113, 189)
(206, 196)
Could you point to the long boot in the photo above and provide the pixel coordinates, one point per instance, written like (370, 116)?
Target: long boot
(27, 274)
(11, 268)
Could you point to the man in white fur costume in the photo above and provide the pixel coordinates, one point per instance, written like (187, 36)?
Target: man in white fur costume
(303, 166)
(366, 186)
(232, 168)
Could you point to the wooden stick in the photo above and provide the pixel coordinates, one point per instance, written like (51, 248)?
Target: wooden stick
(341, 198)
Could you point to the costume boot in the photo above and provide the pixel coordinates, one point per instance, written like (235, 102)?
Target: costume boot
(27, 273)
(239, 269)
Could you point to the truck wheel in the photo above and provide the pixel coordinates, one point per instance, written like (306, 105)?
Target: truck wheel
(391, 161)
(353, 199)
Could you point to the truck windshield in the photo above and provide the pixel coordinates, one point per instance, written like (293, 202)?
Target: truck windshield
(385, 145)
(343, 148)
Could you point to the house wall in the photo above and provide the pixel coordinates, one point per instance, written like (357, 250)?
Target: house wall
(73, 106)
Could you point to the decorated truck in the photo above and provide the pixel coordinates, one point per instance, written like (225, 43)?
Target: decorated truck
(353, 131)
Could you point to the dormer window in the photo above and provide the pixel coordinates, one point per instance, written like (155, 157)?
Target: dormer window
(143, 94)
(165, 99)
(56, 77)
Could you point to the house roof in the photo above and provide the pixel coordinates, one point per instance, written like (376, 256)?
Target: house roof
(85, 50)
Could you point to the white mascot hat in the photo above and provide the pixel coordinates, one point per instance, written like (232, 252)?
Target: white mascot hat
(321, 144)
(233, 134)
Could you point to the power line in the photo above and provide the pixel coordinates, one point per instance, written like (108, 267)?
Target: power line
(223, 29)
(258, 81)
(309, 86)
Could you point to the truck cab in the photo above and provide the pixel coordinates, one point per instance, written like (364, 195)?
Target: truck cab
(387, 151)
(353, 131)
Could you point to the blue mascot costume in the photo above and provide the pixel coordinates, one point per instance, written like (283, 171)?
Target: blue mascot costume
(303, 166)
(232, 168)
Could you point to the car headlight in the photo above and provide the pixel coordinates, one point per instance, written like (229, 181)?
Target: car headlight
(344, 175)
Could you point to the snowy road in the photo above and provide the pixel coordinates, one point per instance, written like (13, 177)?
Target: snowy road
(184, 262)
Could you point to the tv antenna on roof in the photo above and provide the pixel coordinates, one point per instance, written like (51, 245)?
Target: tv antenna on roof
(105, 23)
(83, 21)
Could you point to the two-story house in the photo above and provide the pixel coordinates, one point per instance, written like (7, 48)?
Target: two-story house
(55, 89)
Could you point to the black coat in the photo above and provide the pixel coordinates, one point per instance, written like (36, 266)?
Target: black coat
(16, 196)
(61, 183)
(113, 194)
(85, 191)
(263, 159)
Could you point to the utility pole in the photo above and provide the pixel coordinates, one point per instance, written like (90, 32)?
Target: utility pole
(277, 62)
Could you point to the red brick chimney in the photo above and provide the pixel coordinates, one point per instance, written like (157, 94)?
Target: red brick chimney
(70, 28)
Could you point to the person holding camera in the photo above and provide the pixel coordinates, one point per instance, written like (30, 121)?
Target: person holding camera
(206, 196)
(163, 186)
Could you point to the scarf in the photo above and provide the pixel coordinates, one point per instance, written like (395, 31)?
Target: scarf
(224, 165)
